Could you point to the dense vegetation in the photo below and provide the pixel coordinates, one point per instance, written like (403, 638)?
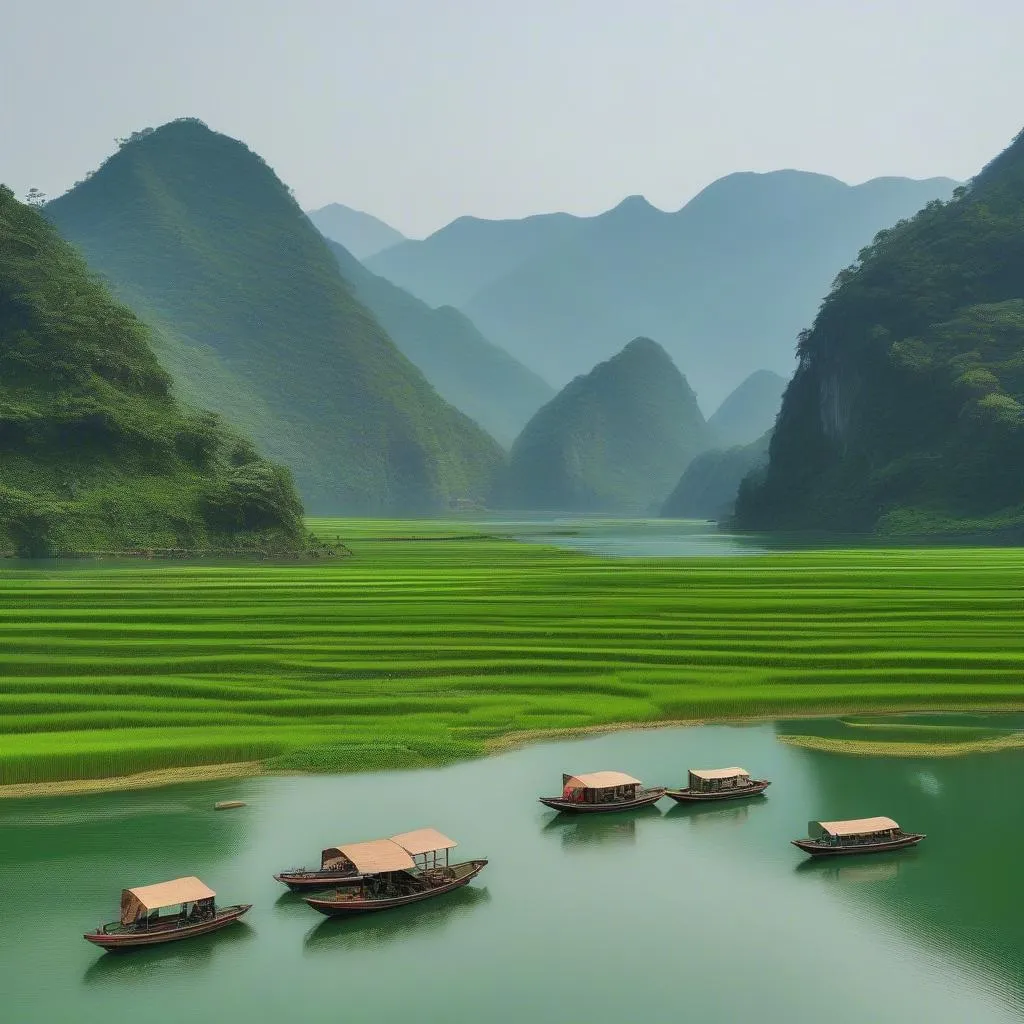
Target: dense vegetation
(749, 412)
(421, 651)
(95, 452)
(479, 378)
(905, 413)
(614, 440)
(253, 320)
(360, 233)
(724, 284)
(710, 484)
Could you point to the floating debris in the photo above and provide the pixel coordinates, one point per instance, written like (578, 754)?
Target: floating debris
(226, 805)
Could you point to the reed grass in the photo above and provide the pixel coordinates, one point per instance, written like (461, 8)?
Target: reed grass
(436, 639)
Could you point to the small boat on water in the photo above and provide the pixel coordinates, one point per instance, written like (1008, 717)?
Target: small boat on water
(718, 784)
(602, 791)
(860, 835)
(407, 868)
(141, 924)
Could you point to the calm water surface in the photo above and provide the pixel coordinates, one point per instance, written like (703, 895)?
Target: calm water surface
(671, 914)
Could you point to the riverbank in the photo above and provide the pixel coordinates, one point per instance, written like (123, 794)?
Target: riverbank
(426, 652)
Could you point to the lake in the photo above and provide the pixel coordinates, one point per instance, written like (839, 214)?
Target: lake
(703, 914)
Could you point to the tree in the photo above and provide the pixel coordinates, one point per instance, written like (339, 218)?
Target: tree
(34, 197)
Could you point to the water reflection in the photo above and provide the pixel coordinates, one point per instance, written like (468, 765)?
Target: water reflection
(735, 812)
(382, 927)
(576, 830)
(869, 868)
(187, 955)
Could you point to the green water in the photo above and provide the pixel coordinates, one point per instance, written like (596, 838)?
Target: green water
(672, 914)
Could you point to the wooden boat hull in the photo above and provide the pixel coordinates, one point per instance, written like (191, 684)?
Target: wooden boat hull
(115, 941)
(683, 796)
(354, 907)
(298, 881)
(649, 796)
(816, 849)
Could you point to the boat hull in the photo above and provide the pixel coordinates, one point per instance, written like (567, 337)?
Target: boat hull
(650, 796)
(816, 849)
(116, 941)
(685, 796)
(299, 881)
(355, 907)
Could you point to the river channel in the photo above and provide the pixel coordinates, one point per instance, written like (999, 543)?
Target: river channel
(672, 914)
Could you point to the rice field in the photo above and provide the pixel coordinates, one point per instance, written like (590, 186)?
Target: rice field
(434, 642)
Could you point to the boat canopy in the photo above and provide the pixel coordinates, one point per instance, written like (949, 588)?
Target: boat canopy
(854, 827)
(423, 840)
(369, 858)
(599, 780)
(719, 773)
(136, 902)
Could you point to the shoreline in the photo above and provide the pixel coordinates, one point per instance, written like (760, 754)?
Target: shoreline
(517, 740)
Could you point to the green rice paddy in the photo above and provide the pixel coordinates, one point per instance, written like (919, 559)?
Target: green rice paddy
(435, 642)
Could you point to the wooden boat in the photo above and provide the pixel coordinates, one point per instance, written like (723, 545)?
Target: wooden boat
(396, 872)
(602, 791)
(337, 870)
(142, 924)
(718, 784)
(861, 835)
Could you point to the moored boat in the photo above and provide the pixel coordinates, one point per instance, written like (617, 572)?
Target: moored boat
(395, 875)
(602, 791)
(194, 912)
(859, 835)
(706, 784)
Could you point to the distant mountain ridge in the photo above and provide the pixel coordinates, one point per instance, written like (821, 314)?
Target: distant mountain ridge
(485, 382)
(360, 233)
(749, 412)
(725, 283)
(253, 319)
(613, 440)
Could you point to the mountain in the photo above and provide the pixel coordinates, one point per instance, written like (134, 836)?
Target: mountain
(457, 261)
(253, 319)
(710, 484)
(95, 452)
(749, 411)
(614, 440)
(725, 283)
(480, 379)
(905, 412)
(360, 233)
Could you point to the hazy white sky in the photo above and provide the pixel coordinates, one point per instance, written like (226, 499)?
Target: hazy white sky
(421, 110)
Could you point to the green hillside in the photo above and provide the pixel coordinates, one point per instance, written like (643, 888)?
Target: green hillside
(614, 440)
(905, 413)
(710, 484)
(96, 455)
(480, 379)
(252, 317)
(360, 233)
(749, 411)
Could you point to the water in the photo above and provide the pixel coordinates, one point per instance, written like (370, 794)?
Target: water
(665, 915)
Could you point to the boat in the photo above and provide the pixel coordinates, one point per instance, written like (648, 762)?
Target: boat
(602, 791)
(336, 869)
(718, 784)
(396, 872)
(141, 924)
(861, 835)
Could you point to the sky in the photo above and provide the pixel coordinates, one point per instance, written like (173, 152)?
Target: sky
(420, 111)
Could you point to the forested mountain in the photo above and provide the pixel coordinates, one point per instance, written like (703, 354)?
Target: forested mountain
(95, 452)
(710, 484)
(905, 412)
(479, 378)
(725, 283)
(253, 319)
(749, 412)
(360, 233)
(614, 440)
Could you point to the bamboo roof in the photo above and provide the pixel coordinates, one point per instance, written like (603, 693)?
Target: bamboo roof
(719, 773)
(600, 780)
(135, 902)
(423, 840)
(372, 857)
(856, 826)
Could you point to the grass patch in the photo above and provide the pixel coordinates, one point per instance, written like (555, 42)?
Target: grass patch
(439, 638)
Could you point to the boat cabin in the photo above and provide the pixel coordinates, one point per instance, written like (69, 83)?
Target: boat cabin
(376, 857)
(599, 788)
(427, 847)
(718, 780)
(191, 900)
(856, 832)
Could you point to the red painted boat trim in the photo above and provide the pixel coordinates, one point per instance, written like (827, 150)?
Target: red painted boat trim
(650, 796)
